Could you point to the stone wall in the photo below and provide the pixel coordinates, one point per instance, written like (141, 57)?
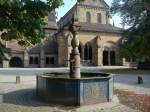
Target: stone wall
(93, 11)
(107, 41)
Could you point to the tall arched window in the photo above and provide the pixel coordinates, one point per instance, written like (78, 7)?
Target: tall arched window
(99, 18)
(90, 52)
(86, 52)
(16, 62)
(112, 57)
(105, 57)
(88, 17)
(36, 60)
(80, 50)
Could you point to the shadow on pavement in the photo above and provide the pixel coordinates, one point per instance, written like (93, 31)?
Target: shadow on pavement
(25, 97)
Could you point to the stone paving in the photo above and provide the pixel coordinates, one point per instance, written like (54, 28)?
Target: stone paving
(128, 82)
(22, 98)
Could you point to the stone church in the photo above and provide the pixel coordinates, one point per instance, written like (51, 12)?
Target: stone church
(99, 40)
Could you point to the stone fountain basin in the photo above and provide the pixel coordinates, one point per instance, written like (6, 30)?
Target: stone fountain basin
(58, 88)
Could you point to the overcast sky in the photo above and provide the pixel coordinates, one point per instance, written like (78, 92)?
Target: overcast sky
(69, 4)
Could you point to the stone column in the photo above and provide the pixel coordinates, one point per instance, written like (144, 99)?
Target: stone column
(5, 63)
(42, 58)
(26, 58)
(100, 56)
(99, 49)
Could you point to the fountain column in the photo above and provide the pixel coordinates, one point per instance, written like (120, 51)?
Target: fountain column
(75, 56)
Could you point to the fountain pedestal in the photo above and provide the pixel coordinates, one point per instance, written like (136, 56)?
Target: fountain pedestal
(75, 55)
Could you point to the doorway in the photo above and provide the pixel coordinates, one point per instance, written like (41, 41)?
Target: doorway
(105, 58)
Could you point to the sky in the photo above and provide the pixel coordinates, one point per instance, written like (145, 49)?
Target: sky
(68, 4)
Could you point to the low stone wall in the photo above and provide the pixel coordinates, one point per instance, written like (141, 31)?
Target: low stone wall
(75, 92)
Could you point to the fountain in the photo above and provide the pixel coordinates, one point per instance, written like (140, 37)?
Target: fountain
(75, 88)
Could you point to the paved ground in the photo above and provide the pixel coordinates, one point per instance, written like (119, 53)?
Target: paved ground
(22, 98)
(35, 71)
(128, 82)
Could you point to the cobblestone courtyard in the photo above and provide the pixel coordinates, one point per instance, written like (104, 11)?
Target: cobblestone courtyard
(22, 97)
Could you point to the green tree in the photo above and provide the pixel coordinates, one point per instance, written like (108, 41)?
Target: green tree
(4, 52)
(23, 20)
(136, 15)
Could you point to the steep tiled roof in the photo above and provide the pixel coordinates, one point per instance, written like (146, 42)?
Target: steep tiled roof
(50, 47)
(14, 46)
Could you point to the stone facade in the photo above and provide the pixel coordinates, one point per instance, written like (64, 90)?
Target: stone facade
(99, 41)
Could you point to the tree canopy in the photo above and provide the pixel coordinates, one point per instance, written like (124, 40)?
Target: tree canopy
(23, 20)
(136, 15)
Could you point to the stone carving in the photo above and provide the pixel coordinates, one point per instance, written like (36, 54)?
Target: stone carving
(69, 38)
(75, 55)
(98, 41)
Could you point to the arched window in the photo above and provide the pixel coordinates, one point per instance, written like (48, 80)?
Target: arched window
(99, 18)
(52, 60)
(80, 50)
(112, 57)
(36, 60)
(16, 62)
(88, 17)
(31, 60)
(90, 52)
(105, 57)
(86, 52)
(47, 60)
